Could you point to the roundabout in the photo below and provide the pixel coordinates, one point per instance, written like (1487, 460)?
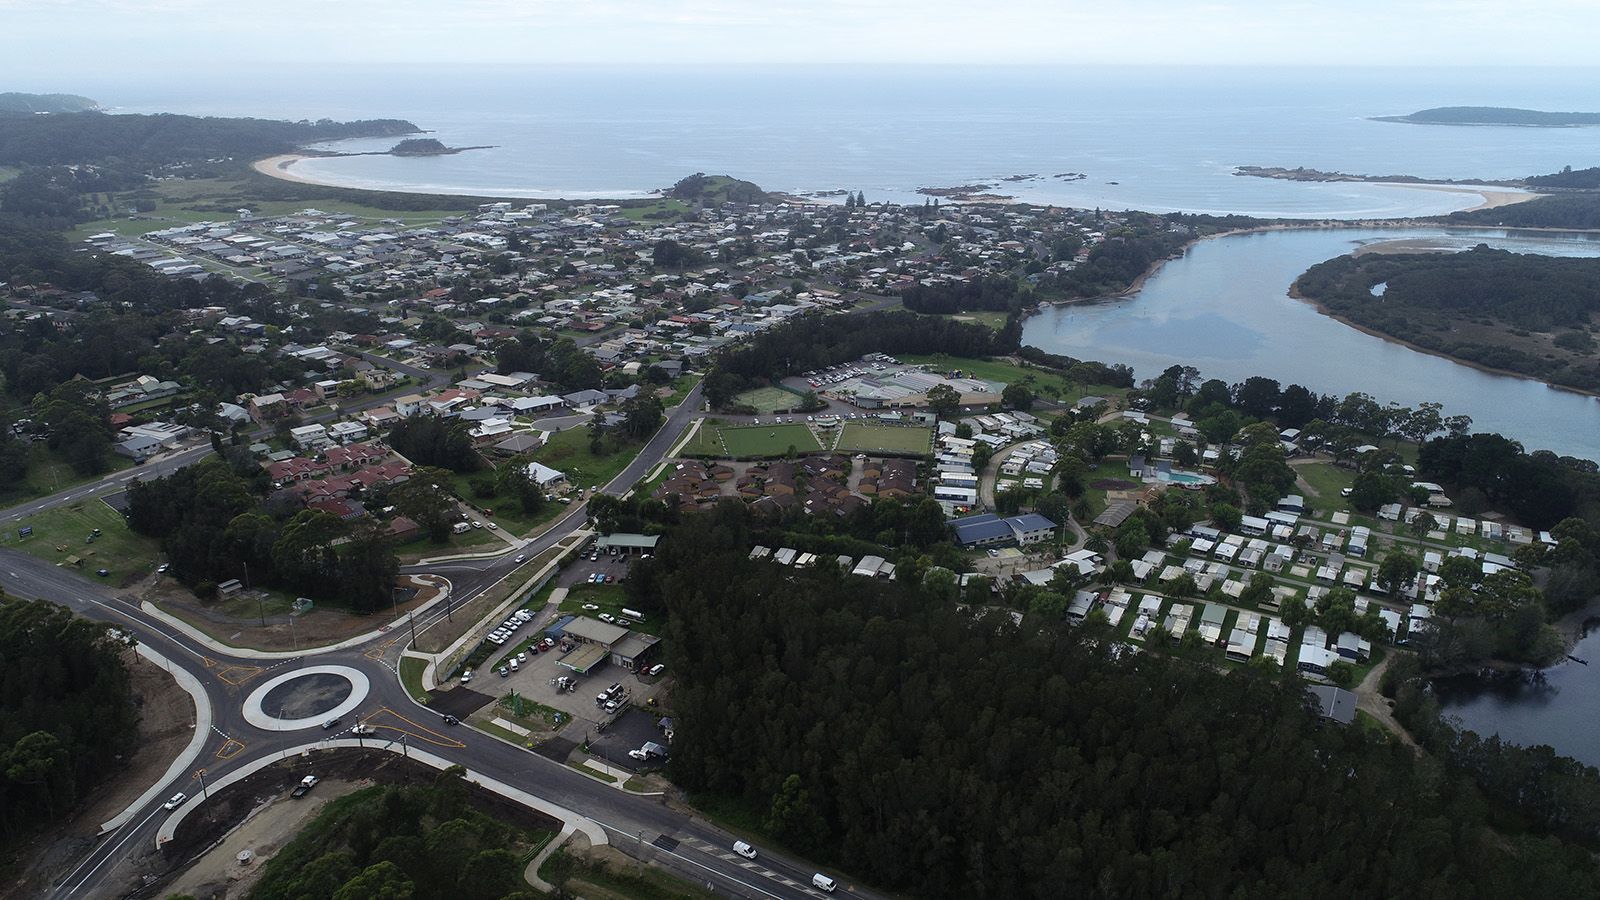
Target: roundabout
(305, 698)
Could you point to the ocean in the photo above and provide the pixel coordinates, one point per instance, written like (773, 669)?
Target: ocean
(1162, 139)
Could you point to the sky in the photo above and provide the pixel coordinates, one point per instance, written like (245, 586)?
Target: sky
(47, 44)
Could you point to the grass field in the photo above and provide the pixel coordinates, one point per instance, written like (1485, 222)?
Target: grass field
(767, 440)
(61, 532)
(48, 473)
(568, 451)
(611, 598)
(1326, 481)
(181, 201)
(1044, 383)
(856, 436)
(990, 317)
(766, 400)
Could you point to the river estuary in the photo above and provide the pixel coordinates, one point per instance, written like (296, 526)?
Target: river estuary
(1224, 308)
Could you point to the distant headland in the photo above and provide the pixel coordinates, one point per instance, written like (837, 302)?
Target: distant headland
(1494, 115)
(14, 103)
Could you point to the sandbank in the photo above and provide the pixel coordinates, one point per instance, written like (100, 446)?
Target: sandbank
(279, 167)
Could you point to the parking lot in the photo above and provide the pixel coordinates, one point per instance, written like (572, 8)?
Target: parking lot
(537, 679)
(629, 732)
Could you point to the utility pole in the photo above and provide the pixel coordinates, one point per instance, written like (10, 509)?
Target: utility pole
(412, 618)
(201, 774)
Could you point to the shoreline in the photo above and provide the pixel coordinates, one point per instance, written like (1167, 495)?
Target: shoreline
(280, 167)
(1138, 284)
(1294, 293)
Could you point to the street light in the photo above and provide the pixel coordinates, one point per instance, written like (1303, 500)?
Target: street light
(201, 774)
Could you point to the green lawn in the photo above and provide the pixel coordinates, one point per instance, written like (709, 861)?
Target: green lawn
(768, 440)
(411, 670)
(1327, 480)
(705, 441)
(610, 598)
(568, 451)
(48, 473)
(1044, 383)
(990, 317)
(766, 400)
(858, 436)
(663, 210)
(681, 386)
(62, 532)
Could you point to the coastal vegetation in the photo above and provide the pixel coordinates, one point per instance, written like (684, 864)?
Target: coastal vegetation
(67, 715)
(1577, 210)
(1494, 115)
(716, 189)
(15, 103)
(420, 147)
(1044, 774)
(142, 140)
(1528, 314)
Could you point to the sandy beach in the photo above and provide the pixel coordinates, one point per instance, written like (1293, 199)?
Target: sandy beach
(1492, 199)
(279, 167)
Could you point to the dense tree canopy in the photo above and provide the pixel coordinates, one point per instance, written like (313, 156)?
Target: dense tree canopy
(947, 755)
(66, 713)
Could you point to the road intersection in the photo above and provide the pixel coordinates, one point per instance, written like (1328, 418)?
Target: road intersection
(223, 679)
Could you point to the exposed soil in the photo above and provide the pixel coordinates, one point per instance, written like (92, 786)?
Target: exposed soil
(166, 724)
(1113, 484)
(319, 627)
(199, 848)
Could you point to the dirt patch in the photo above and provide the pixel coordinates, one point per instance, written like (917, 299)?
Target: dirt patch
(219, 873)
(319, 627)
(166, 724)
(197, 837)
(1112, 484)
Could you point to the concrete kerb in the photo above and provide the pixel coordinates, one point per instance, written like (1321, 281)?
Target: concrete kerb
(571, 820)
(430, 675)
(219, 647)
(186, 759)
(531, 873)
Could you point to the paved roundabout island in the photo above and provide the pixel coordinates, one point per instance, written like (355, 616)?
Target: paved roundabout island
(305, 698)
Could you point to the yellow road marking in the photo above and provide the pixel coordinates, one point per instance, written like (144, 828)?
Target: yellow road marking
(230, 748)
(414, 729)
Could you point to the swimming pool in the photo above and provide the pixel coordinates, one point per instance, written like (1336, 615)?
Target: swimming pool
(1186, 478)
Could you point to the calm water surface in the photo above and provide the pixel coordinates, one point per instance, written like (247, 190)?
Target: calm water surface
(1224, 308)
(1562, 711)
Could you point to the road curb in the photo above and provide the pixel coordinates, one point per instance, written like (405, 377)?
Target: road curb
(430, 675)
(359, 640)
(569, 818)
(202, 732)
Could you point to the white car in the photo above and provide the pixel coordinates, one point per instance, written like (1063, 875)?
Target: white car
(590, 607)
(466, 676)
(520, 560)
(607, 617)
(176, 801)
(744, 850)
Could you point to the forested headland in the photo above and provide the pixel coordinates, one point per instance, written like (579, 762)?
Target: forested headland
(1533, 315)
(66, 715)
(940, 752)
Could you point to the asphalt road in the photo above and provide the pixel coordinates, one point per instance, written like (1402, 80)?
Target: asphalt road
(640, 826)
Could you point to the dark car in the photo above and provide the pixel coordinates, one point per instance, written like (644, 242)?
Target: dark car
(451, 720)
(102, 572)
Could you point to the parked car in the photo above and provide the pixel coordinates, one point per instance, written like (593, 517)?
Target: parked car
(522, 657)
(176, 801)
(162, 569)
(607, 617)
(503, 671)
(102, 572)
(638, 754)
(466, 676)
(656, 669)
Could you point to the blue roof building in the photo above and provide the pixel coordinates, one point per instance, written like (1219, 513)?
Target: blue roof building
(988, 530)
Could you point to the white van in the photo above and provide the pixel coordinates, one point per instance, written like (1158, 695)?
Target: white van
(823, 882)
(739, 847)
(513, 663)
